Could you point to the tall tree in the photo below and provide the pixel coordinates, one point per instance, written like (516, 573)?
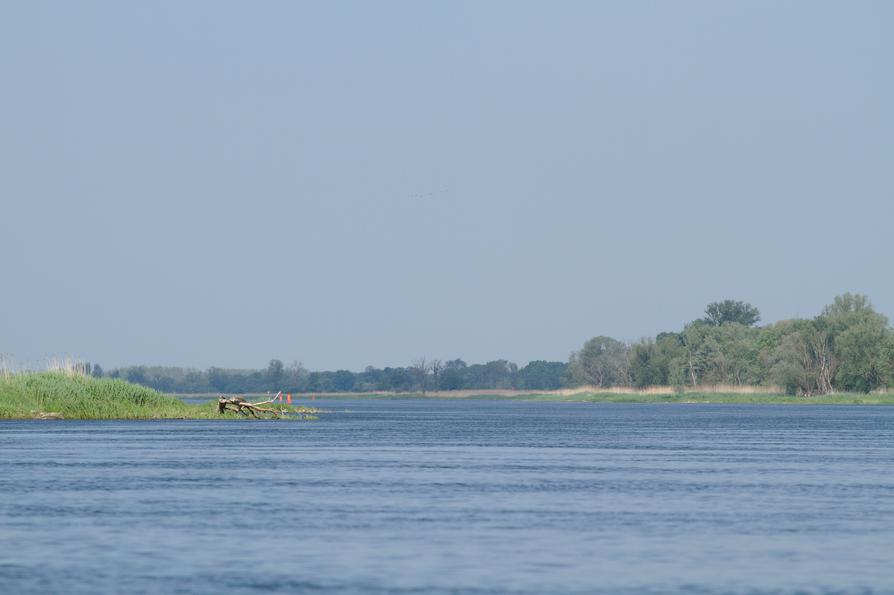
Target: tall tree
(542, 375)
(719, 313)
(644, 370)
(453, 377)
(436, 367)
(858, 335)
(805, 360)
(601, 362)
(419, 369)
(274, 374)
(701, 352)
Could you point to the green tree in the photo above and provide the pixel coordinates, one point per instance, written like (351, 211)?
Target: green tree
(137, 375)
(420, 369)
(719, 313)
(542, 375)
(859, 337)
(888, 359)
(700, 353)
(453, 375)
(601, 362)
(295, 377)
(739, 354)
(436, 367)
(218, 379)
(342, 381)
(846, 304)
(805, 363)
(861, 349)
(644, 368)
(499, 374)
(274, 374)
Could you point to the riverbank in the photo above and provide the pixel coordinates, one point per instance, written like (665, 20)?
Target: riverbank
(728, 395)
(63, 395)
(727, 398)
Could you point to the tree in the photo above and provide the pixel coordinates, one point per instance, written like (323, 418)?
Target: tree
(660, 362)
(274, 374)
(601, 362)
(859, 336)
(861, 351)
(888, 359)
(644, 368)
(453, 376)
(342, 381)
(295, 377)
(542, 375)
(498, 374)
(419, 368)
(397, 379)
(97, 371)
(848, 303)
(805, 362)
(700, 352)
(218, 380)
(436, 367)
(719, 313)
(137, 375)
(739, 354)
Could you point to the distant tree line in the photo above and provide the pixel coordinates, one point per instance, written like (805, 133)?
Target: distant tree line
(847, 347)
(420, 376)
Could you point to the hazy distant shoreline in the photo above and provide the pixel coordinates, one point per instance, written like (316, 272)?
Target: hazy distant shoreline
(660, 394)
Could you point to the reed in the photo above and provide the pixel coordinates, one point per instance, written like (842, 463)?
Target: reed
(7, 367)
(69, 393)
(69, 366)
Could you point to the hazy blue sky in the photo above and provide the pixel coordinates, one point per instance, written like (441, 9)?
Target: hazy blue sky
(198, 183)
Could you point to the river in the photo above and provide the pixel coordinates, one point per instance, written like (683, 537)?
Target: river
(453, 496)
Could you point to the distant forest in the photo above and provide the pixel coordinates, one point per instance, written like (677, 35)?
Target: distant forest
(847, 347)
(420, 376)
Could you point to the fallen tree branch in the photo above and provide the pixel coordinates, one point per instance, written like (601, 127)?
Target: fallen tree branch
(240, 405)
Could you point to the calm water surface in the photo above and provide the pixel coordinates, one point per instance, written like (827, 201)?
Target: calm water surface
(412, 496)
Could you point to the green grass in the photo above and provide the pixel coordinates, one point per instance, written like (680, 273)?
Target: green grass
(74, 396)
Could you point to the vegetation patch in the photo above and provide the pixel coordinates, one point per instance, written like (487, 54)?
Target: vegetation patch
(66, 395)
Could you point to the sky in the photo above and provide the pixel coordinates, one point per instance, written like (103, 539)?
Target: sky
(362, 183)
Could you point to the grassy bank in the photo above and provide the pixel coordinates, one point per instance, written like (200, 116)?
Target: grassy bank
(39, 395)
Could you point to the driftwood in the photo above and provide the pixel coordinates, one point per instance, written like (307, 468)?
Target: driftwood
(240, 405)
(46, 415)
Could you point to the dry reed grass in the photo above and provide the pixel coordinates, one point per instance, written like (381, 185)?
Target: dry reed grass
(67, 365)
(70, 366)
(622, 390)
(7, 367)
(578, 390)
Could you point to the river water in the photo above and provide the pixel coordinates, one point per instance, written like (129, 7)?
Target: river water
(441, 496)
